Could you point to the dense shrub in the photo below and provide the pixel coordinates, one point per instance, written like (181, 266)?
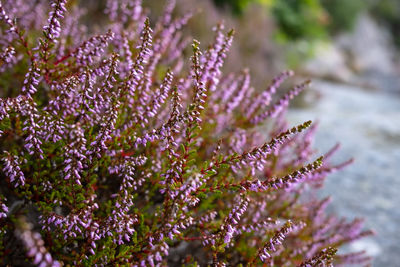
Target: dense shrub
(115, 151)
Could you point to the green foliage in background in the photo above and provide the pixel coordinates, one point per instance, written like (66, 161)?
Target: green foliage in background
(236, 6)
(388, 13)
(298, 19)
(302, 24)
(310, 19)
(343, 13)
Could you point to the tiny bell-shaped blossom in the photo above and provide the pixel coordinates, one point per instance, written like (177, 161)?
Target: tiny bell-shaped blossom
(13, 170)
(53, 28)
(34, 245)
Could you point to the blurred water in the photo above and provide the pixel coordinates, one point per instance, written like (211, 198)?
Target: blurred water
(367, 124)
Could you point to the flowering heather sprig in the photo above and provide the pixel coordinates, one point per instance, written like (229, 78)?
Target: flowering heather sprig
(94, 47)
(166, 17)
(265, 97)
(237, 98)
(233, 218)
(260, 153)
(53, 128)
(13, 29)
(258, 226)
(72, 32)
(124, 10)
(265, 252)
(323, 258)
(160, 97)
(76, 158)
(34, 245)
(31, 81)
(358, 258)
(282, 103)
(136, 73)
(107, 126)
(7, 57)
(62, 104)
(31, 126)
(296, 175)
(51, 31)
(215, 56)
(7, 20)
(12, 169)
(120, 221)
(3, 208)
(122, 154)
(53, 28)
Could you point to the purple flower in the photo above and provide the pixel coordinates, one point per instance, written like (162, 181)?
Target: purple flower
(53, 28)
(12, 169)
(7, 58)
(75, 160)
(3, 209)
(282, 103)
(34, 245)
(7, 20)
(31, 81)
(128, 157)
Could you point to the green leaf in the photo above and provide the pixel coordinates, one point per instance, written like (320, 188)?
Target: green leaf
(224, 165)
(183, 148)
(123, 249)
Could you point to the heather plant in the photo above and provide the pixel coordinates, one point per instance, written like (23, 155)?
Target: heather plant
(119, 151)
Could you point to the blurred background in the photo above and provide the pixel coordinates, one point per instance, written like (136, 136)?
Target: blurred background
(350, 49)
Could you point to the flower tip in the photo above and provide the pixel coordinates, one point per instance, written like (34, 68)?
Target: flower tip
(307, 123)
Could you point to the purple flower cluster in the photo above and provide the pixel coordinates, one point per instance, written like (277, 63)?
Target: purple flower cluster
(265, 97)
(232, 220)
(131, 155)
(34, 245)
(31, 126)
(91, 49)
(76, 158)
(265, 252)
(7, 58)
(53, 28)
(13, 170)
(324, 257)
(31, 81)
(280, 105)
(124, 10)
(3, 209)
(7, 20)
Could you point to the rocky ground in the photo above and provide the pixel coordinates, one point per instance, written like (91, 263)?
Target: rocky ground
(356, 99)
(367, 124)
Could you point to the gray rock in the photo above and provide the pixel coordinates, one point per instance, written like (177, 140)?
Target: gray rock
(330, 62)
(370, 46)
(367, 124)
(365, 57)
